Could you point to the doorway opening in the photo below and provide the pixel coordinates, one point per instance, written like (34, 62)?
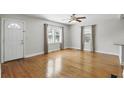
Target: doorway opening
(88, 38)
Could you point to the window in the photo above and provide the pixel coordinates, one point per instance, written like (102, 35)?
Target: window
(14, 26)
(54, 34)
(50, 36)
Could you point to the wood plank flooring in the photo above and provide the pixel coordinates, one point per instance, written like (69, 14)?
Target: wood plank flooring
(67, 63)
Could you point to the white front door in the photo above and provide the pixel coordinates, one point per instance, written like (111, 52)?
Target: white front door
(13, 40)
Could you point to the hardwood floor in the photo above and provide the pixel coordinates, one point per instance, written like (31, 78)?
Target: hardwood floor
(66, 63)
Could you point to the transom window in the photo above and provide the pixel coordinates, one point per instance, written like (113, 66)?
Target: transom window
(54, 34)
(14, 26)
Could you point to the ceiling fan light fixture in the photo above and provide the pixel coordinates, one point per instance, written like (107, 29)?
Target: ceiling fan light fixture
(74, 19)
(74, 22)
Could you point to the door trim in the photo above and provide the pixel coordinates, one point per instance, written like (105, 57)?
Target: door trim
(3, 34)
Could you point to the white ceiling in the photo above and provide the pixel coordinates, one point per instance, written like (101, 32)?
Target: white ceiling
(64, 18)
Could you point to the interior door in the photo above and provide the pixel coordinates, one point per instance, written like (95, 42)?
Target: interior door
(13, 40)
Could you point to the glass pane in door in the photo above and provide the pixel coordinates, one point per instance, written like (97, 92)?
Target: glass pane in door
(87, 38)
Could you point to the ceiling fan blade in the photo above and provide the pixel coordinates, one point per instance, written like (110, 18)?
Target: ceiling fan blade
(78, 20)
(81, 17)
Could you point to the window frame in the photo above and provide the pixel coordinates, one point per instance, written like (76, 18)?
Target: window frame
(55, 29)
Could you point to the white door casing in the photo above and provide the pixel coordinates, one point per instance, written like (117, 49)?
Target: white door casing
(13, 39)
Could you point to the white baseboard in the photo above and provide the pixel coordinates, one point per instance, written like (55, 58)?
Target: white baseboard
(75, 47)
(110, 53)
(53, 50)
(34, 54)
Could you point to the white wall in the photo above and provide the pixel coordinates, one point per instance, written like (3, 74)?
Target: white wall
(35, 33)
(109, 29)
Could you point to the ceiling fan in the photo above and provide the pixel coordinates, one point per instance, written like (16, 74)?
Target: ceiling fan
(73, 18)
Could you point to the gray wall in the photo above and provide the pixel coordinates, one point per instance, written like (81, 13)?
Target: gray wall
(35, 33)
(109, 29)
(0, 39)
